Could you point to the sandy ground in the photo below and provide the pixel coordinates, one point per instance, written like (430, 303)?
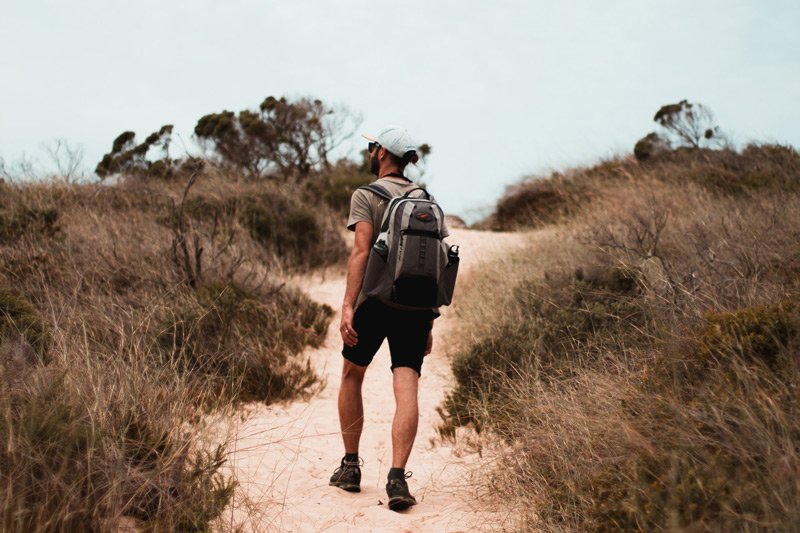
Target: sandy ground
(284, 455)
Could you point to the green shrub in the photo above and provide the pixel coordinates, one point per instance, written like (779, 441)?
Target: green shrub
(19, 318)
(481, 375)
(337, 186)
(619, 422)
(754, 334)
(687, 488)
(63, 469)
(290, 230)
(18, 221)
(202, 208)
(245, 343)
(538, 202)
(296, 233)
(711, 360)
(718, 459)
(562, 325)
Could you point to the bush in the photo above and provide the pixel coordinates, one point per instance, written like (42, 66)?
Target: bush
(538, 202)
(102, 424)
(481, 375)
(292, 231)
(65, 467)
(651, 145)
(560, 325)
(288, 230)
(336, 186)
(757, 169)
(655, 391)
(244, 343)
(19, 319)
(756, 334)
(19, 221)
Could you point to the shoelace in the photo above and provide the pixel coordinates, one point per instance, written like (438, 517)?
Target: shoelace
(405, 476)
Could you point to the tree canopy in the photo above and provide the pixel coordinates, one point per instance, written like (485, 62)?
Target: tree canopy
(683, 125)
(127, 156)
(687, 124)
(283, 138)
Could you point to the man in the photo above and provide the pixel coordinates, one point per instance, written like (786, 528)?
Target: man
(366, 323)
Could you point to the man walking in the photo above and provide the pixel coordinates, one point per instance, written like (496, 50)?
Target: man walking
(366, 322)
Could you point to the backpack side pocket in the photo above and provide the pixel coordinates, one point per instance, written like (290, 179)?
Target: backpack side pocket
(447, 277)
(377, 277)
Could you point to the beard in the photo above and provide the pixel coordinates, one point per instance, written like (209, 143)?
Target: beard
(374, 164)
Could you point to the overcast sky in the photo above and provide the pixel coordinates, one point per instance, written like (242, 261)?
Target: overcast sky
(500, 89)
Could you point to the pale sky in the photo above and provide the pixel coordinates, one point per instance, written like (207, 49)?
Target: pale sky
(500, 89)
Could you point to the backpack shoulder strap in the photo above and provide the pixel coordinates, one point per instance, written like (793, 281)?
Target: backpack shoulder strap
(408, 193)
(379, 190)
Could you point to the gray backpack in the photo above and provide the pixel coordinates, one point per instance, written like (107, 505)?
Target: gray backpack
(410, 265)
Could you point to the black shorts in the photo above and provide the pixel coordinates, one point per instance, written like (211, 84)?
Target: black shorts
(407, 332)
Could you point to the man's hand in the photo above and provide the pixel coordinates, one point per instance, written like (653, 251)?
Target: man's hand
(429, 346)
(349, 335)
(356, 266)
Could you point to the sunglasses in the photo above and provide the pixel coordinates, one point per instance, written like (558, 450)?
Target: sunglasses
(372, 146)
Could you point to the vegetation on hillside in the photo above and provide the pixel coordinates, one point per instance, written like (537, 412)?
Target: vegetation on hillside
(647, 378)
(128, 311)
(539, 201)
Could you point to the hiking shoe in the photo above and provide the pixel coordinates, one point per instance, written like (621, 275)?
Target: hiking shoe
(348, 476)
(399, 497)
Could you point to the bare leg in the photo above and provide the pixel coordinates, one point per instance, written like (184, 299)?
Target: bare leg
(351, 407)
(406, 415)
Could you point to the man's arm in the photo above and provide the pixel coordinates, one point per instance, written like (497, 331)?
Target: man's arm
(356, 266)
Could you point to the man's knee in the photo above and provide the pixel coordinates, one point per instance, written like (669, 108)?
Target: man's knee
(352, 371)
(404, 379)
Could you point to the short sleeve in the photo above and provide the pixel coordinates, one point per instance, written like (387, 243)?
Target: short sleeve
(445, 231)
(359, 209)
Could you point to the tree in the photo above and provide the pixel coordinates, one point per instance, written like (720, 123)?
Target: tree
(67, 159)
(688, 125)
(684, 125)
(24, 168)
(128, 157)
(283, 138)
(65, 164)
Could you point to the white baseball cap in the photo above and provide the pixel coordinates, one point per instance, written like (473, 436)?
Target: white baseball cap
(395, 139)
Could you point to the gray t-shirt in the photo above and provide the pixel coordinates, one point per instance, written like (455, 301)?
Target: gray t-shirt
(366, 206)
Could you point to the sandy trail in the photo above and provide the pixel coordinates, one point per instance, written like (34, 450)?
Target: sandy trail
(284, 454)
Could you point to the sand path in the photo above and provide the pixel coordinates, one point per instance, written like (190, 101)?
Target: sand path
(284, 454)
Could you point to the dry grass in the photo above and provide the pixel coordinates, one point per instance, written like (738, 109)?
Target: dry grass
(647, 378)
(128, 312)
(541, 200)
